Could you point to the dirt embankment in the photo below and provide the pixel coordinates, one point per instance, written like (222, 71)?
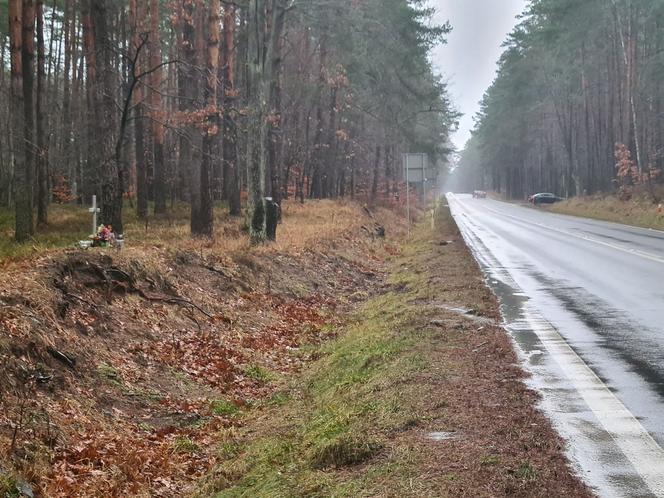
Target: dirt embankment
(120, 370)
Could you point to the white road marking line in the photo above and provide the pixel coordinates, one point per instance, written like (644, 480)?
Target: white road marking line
(630, 436)
(633, 440)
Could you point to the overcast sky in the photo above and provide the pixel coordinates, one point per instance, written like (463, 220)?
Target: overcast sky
(468, 60)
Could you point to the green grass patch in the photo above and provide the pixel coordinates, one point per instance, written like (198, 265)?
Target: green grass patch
(108, 372)
(230, 444)
(8, 487)
(279, 398)
(490, 460)
(526, 472)
(258, 373)
(343, 451)
(145, 427)
(349, 403)
(224, 408)
(184, 445)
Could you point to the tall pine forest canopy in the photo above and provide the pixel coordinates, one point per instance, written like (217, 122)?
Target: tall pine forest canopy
(577, 106)
(152, 103)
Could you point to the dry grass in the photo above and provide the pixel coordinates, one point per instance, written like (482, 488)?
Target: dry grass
(154, 381)
(304, 226)
(640, 211)
(68, 224)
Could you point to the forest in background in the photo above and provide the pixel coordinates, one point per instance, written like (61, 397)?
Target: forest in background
(150, 103)
(577, 106)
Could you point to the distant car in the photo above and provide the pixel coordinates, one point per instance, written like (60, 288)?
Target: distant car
(479, 194)
(544, 198)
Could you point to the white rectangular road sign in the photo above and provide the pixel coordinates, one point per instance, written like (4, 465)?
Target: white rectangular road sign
(415, 167)
(415, 170)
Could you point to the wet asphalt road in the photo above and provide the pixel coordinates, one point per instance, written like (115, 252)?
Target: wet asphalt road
(584, 302)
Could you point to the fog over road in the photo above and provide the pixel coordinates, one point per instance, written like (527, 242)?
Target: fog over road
(584, 302)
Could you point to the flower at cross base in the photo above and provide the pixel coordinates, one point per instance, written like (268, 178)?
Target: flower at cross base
(104, 236)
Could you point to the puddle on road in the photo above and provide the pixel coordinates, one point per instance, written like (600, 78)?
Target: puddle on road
(512, 305)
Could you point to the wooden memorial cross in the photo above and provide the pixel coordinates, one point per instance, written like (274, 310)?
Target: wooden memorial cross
(94, 210)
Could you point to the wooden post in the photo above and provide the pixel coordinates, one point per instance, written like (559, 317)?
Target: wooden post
(272, 209)
(407, 194)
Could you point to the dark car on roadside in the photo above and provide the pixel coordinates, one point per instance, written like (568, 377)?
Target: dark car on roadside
(544, 198)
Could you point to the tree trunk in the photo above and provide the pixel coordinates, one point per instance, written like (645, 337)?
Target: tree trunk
(262, 48)
(111, 160)
(376, 175)
(200, 58)
(388, 169)
(229, 137)
(188, 88)
(255, 96)
(158, 132)
(77, 113)
(42, 142)
(65, 149)
(22, 167)
(275, 131)
(331, 146)
(316, 190)
(352, 177)
(28, 56)
(90, 183)
(137, 16)
(203, 222)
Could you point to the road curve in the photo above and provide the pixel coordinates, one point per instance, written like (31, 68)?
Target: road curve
(584, 302)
